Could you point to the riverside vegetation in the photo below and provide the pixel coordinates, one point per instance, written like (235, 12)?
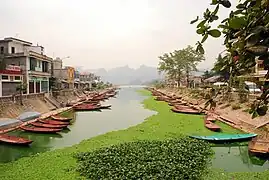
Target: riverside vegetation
(61, 164)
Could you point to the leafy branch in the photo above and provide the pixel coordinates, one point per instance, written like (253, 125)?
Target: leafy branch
(246, 37)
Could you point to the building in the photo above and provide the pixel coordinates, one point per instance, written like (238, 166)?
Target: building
(195, 81)
(86, 80)
(77, 80)
(65, 76)
(11, 78)
(34, 65)
(260, 71)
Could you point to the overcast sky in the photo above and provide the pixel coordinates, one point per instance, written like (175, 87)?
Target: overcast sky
(107, 33)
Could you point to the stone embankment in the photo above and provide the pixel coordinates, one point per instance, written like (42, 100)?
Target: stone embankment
(44, 104)
(10, 107)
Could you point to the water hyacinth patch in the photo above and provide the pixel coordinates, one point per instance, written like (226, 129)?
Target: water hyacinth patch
(181, 158)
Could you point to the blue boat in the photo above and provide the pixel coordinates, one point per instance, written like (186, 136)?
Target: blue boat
(27, 116)
(225, 137)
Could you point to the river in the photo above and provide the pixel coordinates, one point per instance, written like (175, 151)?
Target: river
(126, 111)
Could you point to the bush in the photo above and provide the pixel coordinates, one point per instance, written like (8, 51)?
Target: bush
(182, 158)
(236, 106)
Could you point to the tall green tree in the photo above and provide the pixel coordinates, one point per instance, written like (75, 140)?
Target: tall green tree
(207, 74)
(189, 59)
(169, 65)
(180, 63)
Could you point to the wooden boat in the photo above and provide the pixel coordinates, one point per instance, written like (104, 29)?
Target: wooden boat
(40, 129)
(54, 122)
(210, 118)
(225, 137)
(39, 124)
(185, 110)
(211, 126)
(60, 118)
(105, 106)
(92, 102)
(14, 140)
(259, 146)
(86, 107)
(160, 98)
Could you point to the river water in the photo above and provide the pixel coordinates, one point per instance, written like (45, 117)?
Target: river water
(127, 111)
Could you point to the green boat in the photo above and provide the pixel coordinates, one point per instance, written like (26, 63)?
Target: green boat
(225, 137)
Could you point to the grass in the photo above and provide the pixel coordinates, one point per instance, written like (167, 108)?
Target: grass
(60, 164)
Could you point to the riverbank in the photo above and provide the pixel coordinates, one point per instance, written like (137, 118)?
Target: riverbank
(60, 164)
(235, 112)
(39, 102)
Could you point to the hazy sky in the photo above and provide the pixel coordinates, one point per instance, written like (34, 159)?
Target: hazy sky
(107, 33)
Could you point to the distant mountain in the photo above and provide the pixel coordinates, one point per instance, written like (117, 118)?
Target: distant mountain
(128, 76)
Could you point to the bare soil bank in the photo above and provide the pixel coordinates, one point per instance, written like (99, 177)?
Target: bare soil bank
(239, 117)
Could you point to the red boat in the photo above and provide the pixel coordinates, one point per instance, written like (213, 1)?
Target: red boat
(86, 107)
(60, 118)
(38, 124)
(211, 126)
(210, 118)
(92, 102)
(185, 110)
(40, 129)
(14, 140)
(54, 122)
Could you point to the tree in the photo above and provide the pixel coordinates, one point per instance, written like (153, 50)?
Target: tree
(180, 63)
(223, 65)
(246, 33)
(190, 59)
(20, 89)
(169, 65)
(207, 74)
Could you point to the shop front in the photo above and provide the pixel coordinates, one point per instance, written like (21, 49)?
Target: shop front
(38, 84)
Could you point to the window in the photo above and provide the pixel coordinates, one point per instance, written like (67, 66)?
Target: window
(17, 78)
(45, 66)
(260, 66)
(2, 50)
(12, 50)
(4, 77)
(33, 64)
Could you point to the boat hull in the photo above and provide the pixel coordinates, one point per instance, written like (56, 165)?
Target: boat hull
(54, 122)
(14, 140)
(105, 107)
(225, 137)
(259, 146)
(39, 124)
(40, 130)
(185, 111)
(59, 118)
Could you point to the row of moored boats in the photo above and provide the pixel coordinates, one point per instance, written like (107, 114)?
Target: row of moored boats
(56, 123)
(256, 145)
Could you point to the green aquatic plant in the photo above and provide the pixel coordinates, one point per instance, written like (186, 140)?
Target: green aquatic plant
(181, 158)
